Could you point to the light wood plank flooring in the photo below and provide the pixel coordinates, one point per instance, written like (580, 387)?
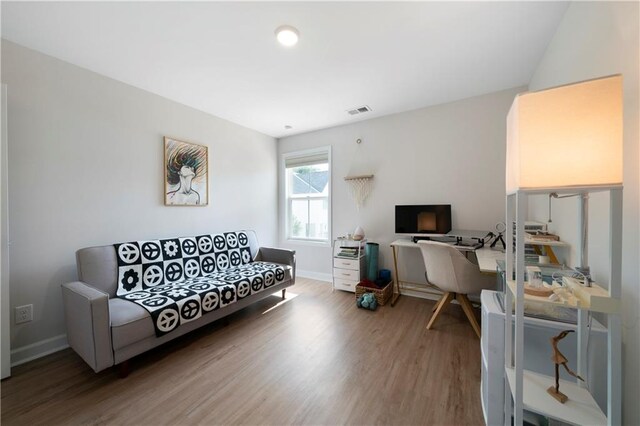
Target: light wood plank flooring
(312, 359)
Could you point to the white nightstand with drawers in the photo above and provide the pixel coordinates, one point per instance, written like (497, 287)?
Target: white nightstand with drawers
(348, 271)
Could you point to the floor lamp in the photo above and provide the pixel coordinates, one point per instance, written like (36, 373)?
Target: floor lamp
(568, 140)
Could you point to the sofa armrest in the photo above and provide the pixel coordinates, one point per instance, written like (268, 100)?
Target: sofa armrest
(278, 255)
(86, 312)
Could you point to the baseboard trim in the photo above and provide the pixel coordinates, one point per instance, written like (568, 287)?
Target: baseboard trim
(419, 294)
(431, 296)
(314, 275)
(39, 349)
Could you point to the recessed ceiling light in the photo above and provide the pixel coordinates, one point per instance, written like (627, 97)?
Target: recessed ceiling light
(287, 35)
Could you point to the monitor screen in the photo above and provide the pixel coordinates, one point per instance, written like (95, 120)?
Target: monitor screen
(423, 219)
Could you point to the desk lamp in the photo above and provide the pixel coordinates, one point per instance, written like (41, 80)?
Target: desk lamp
(567, 139)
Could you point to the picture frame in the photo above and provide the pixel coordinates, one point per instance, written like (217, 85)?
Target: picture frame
(186, 173)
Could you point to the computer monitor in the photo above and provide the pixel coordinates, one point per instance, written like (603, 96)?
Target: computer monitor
(425, 219)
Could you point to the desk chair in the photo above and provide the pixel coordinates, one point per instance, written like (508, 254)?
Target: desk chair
(450, 271)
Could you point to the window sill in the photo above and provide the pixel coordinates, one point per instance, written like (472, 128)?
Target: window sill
(311, 243)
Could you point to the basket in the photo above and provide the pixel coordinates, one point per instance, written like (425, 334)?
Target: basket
(382, 295)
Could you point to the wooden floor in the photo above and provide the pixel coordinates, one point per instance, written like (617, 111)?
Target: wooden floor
(312, 359)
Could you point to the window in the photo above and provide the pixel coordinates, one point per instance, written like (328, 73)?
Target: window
(307, 186)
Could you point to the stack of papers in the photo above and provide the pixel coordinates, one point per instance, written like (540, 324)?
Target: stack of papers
(348, 252)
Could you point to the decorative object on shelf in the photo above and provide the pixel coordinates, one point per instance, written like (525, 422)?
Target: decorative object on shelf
(500, 228)
(559, 359)
(358, 234)
(534, 283)
(538, 291)
(360, 187)
(371, 251)
(367, 301)
(186, 173)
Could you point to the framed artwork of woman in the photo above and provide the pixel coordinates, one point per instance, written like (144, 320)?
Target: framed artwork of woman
(186, 168)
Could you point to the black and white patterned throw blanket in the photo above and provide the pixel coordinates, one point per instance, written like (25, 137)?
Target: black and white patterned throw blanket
(178, 280)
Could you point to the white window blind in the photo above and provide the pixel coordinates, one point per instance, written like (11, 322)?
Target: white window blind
(306, 160)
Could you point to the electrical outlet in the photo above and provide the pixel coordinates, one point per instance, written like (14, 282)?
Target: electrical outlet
(24, 314)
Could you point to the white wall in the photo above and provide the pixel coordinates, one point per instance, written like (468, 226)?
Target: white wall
(593, 40)
(447, 154)
(86, 168)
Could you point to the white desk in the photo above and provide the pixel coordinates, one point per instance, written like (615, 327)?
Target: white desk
(485, 255)
(487, 258)
(411, 244)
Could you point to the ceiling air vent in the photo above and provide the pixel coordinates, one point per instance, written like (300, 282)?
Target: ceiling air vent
(359, 110)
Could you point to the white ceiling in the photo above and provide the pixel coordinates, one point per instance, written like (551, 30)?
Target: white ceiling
(223, 58)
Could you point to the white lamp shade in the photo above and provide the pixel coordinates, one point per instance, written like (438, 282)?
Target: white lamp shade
(568, 136)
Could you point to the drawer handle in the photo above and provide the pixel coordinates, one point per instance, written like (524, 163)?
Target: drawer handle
(345, 263)
(344, 273)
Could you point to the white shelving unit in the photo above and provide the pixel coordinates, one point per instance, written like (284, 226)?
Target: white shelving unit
(527, 390)
(347, 271)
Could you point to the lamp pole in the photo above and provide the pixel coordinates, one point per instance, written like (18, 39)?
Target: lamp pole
(584, 239)
(583, 230)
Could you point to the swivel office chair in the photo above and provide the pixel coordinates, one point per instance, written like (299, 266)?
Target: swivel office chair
(450, 271)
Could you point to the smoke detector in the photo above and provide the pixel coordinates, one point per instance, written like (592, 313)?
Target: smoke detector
(359, 110)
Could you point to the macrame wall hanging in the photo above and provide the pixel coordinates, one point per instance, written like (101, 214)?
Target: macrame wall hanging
(360, 184)
(360, 187)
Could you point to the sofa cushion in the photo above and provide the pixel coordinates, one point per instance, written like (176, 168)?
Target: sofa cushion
(173, 304)
(146, 264)
(130, 322)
